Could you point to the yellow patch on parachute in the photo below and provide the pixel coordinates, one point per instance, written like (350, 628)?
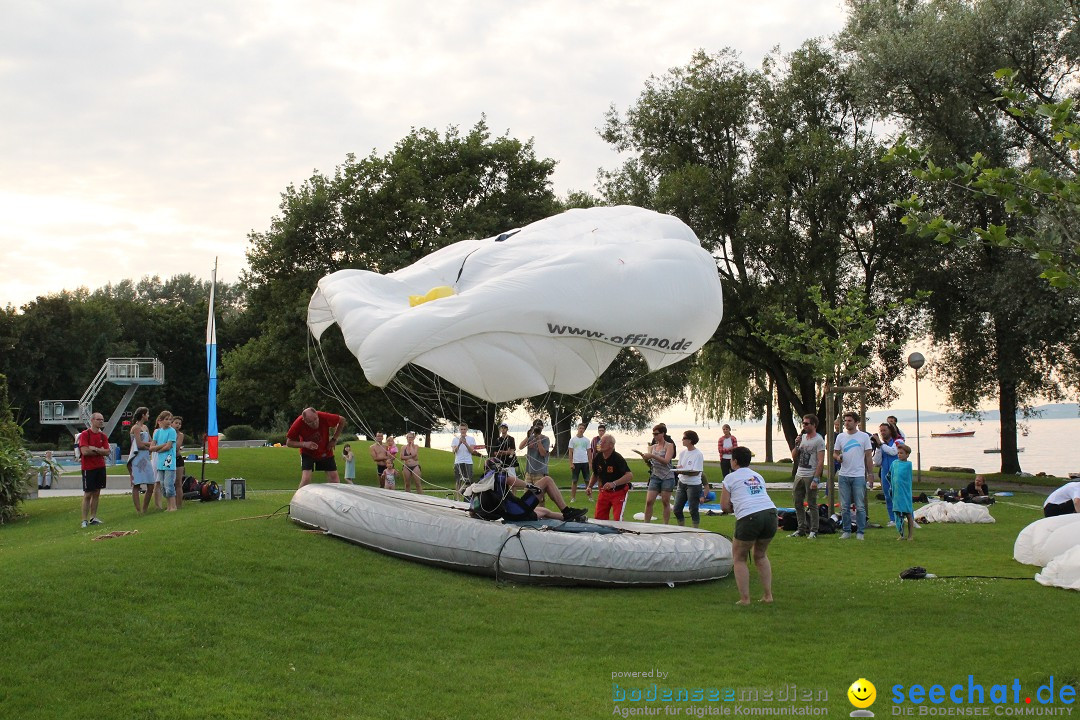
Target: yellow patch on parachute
(434, 293)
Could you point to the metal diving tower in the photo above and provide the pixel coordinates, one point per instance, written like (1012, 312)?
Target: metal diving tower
(75, 414)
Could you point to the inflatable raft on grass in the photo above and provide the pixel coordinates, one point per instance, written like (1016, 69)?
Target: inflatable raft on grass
(441, 532)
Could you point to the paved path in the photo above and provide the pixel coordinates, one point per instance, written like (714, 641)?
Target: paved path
(77, 492)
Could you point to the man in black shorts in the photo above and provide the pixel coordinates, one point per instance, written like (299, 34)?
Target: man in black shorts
(311, 433)
(93, 449)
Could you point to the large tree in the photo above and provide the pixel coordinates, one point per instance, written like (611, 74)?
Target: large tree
(777, 171)
(931, 68)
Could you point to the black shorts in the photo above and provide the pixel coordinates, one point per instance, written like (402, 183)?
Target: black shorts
(93, 480)
(379, 468)
(523, 508)
(328, 464)
(756, 526)
(1065, 508)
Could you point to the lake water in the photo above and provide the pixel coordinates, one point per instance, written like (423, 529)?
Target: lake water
(1046, 448)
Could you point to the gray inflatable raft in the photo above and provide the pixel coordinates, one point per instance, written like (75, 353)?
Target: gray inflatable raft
(440, 532)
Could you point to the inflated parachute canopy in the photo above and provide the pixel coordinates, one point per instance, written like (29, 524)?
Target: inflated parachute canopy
(542, 309)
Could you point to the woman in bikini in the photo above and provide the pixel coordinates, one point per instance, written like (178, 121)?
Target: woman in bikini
(410, 459)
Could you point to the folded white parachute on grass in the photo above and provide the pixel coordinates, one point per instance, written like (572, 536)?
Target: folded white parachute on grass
(946, 512)
(1054, 544)
(1046, 538)
(542, 309)
(1063, 571)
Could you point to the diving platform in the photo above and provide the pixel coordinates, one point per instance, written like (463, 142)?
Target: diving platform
(75, 414)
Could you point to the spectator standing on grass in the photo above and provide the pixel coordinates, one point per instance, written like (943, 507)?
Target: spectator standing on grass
(900, 437)
(178, 423)
(93, 449)
(856, 474)
(809, 457)
(691, 476)
(900, 486)
(612, 476)
(578, 453)
(316, 434)
(724, 446)
(838, 428)
(140, 463)
(350, 464)
(378, 456)
(594, 446)
(389, 475)
(889, 441)
(537, 446)
(661, 476)
(755, 524)
(504, 450)
(464, 448)
(410, 461)
(165, 446)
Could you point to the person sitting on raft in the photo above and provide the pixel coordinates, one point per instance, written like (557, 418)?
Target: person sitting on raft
(500, 501)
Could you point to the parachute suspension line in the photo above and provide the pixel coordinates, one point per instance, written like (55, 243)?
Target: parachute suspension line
(331, 386)
(591, 397)
(339, 390)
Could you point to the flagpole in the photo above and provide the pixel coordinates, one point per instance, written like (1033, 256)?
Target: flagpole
(210, 437)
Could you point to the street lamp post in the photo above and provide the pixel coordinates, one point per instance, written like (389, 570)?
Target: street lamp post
(916, 361)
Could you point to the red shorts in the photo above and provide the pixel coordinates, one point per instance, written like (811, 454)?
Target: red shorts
(611, 502)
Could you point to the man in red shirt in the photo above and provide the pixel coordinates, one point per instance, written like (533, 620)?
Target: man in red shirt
(311, 433)
(93, 449)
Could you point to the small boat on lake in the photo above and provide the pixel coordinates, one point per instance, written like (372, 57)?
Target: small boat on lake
(954, 432)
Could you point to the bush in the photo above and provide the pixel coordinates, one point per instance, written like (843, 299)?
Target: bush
(43, 446)
(240, 432)
(276, 438)
(14, 460)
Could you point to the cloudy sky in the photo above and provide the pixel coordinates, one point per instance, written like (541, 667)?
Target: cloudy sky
(144, 138)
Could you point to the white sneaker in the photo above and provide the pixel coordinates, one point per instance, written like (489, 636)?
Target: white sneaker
(845, 536)
(84, 523)
(812, 536)
(860, 536)
(915, 525)
(890, 524)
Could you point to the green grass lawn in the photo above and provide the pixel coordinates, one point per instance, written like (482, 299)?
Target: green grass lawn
(215, 612)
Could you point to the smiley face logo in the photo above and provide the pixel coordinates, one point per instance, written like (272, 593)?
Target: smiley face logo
(862, 693)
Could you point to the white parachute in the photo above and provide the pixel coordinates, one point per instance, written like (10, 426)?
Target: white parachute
(1046, 538)
(542, 309)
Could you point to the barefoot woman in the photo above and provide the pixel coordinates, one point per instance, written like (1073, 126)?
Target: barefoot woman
(755, 523)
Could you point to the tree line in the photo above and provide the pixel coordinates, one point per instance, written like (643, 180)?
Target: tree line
(827, 233)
